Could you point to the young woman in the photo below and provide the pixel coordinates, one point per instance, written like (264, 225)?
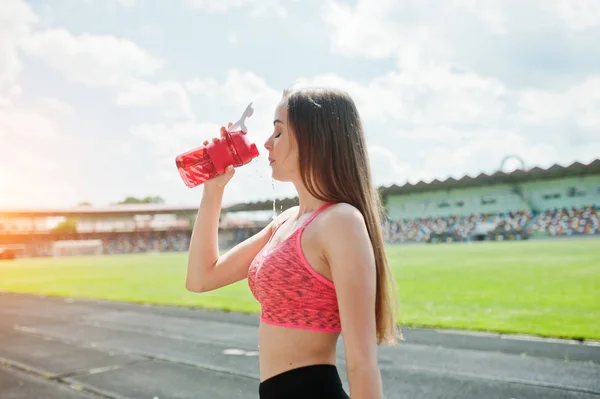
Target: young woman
(318, 269)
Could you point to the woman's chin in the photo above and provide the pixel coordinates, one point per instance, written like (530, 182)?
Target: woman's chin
(278, 178)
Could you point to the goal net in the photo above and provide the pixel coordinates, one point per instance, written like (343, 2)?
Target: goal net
(77, 247)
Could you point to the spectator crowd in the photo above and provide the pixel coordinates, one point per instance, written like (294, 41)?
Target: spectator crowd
(121, 243)
(553, 222)
(568, 222)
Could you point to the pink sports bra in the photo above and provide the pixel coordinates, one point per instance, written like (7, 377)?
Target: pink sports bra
(291, 293)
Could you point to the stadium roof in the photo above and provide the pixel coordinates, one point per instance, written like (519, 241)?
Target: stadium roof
(553, 172)
(96, 211)
(517, 176)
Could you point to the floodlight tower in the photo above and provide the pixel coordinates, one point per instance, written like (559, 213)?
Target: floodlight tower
(510, 156)
(512, 178)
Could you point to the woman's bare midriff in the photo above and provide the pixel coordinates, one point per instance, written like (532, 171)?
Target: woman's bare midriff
(282, 349)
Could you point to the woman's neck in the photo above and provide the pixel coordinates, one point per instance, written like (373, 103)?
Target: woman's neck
(307, 202)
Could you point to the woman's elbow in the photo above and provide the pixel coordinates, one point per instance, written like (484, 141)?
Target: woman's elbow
(194, 284)
(193, 287)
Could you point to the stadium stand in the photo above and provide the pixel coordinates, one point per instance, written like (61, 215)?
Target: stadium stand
(558, 201)
(554, 202)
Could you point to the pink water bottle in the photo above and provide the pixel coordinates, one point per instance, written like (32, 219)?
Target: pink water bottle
(203, 163)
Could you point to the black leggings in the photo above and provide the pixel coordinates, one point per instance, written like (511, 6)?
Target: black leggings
(314, 382)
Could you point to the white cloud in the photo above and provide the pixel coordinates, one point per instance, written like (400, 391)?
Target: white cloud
(237, 90)
(384, 29)
(577, 14)
(574, 14)
(119, 64)
(219, 5)
(21, 124)
(447, 121)
(232, 38)
(437, 95)
(252, 181)
(171, 140)
(5, 102)
(168, 97)
(386, 167)
(431, 105)
(417, 111)
(484, 153)
(428, 97)
(32, 150)
(16, 17)
(257, 7)
(420, 33)
(128, 3)
(123, 148)
(55, 107)
(237, 84)
(467, 82)
(93, 60)
(37, 158)
(579, 105)
(207, 87)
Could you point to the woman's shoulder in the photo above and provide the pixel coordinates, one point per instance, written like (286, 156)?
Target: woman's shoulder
(343, 212)
(343, 221)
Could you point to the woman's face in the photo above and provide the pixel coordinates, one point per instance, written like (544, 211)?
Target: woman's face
(282, 148)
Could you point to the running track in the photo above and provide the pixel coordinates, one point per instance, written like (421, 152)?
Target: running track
(54, 348)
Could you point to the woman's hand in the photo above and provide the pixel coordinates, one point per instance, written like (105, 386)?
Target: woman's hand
(221, 180)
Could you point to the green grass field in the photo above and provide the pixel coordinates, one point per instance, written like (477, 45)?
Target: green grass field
(547, 288)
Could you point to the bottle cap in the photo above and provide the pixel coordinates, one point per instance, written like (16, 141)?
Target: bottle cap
(241, 122)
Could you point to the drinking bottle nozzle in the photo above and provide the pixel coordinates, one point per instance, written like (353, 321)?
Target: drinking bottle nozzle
(241, 122)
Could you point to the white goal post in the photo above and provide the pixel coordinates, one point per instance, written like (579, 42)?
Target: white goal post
(77, 247)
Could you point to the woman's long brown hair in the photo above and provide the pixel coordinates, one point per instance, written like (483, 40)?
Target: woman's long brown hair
(334, 165)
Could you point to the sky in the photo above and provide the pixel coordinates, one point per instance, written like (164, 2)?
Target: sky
(98, 97)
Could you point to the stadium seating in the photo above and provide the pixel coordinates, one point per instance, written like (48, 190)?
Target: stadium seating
(567, 221)
(121, 243)
(554, 202)
(553, 222)
(507, 226)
